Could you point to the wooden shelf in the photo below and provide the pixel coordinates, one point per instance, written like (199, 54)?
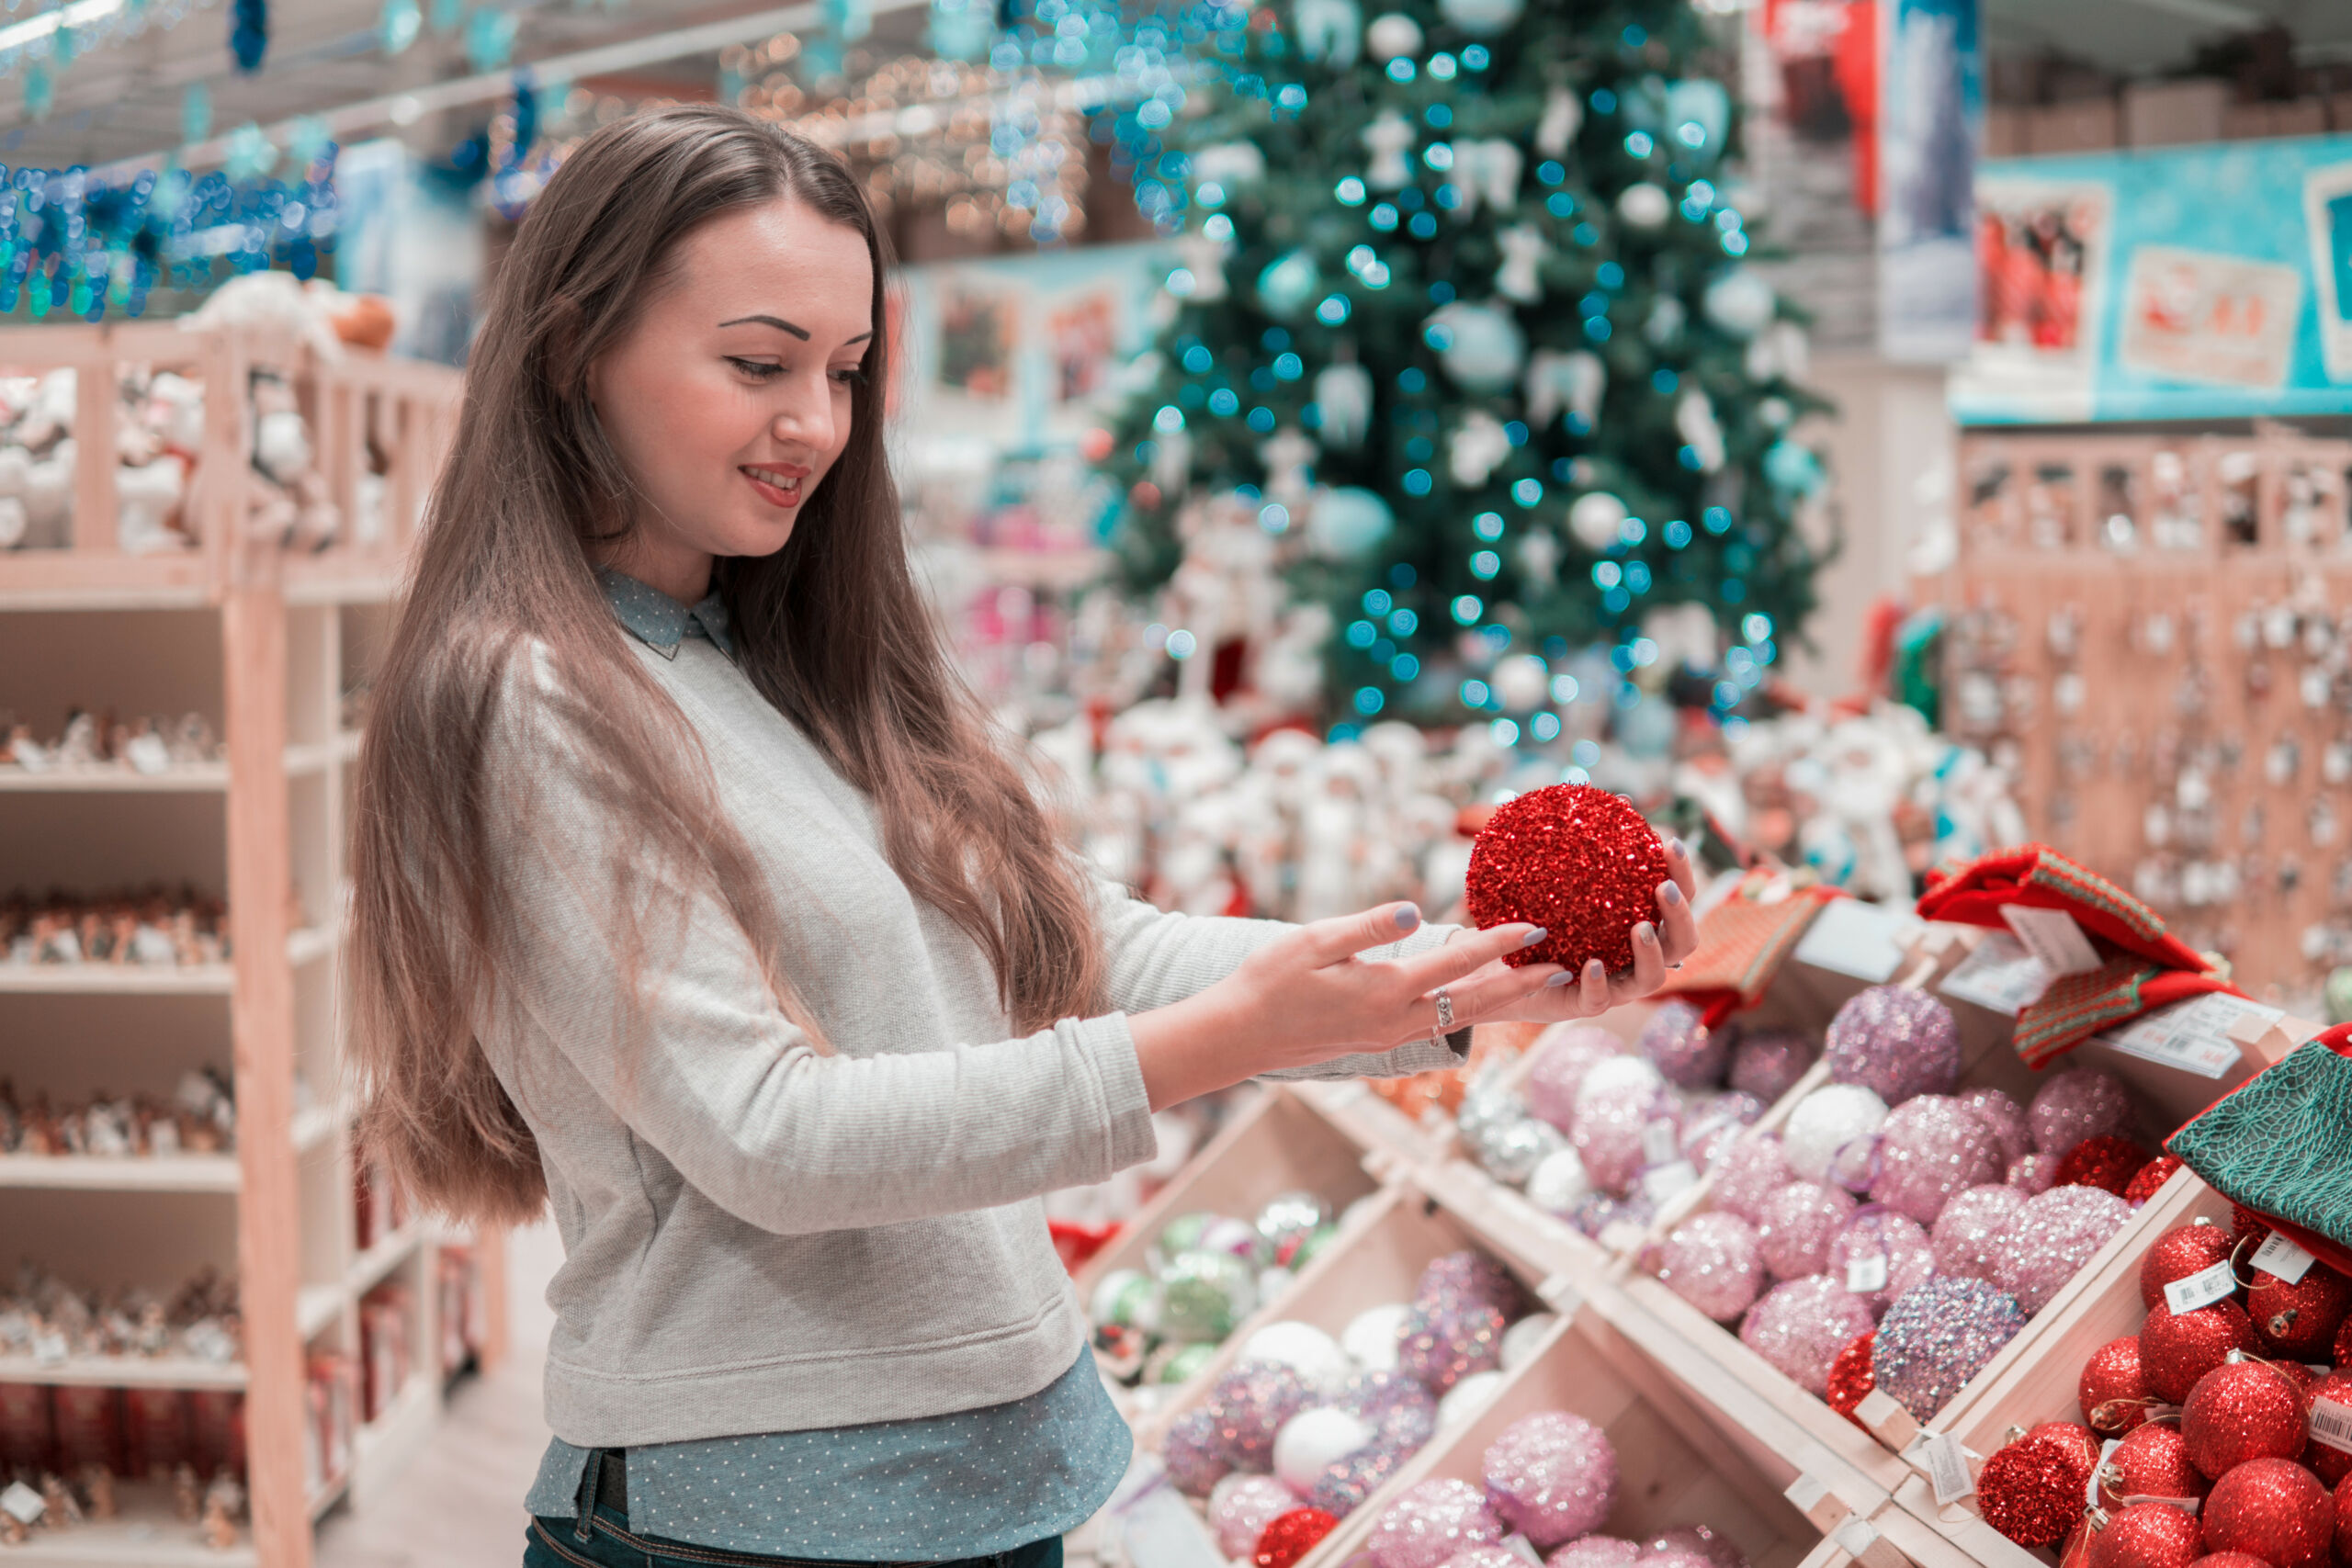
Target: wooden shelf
(314, 1126)
(311, 943)
(382, 1446)
(369, 1268)
(130, 1173)
(112, 778)
(116, 979)
(328, 1496)
(317, 1308)
(66, 580)
(305, 757)
(145, 1533)
(124, 1371)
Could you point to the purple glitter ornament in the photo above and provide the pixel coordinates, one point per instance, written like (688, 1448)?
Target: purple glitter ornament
(1374, 1395)
(1710, 1260)
(1699, 1541)
(1611, 1127)
(1682, 1048)
(1674, 1557)
(1800, 1327)
(1460, 1278)
(1938, 1336)
(1895, 1042)
(1431, 1523)
(1832, 1135)
(1242, 1507)
(1443, 1344)
(1596, 1551)
(2006, 1117)
(1767, 1063)
(1798, 1222)
(2050, 1239)
(1968, 1232)
(1553, 1477)
(1195, 1454)
(1600, 1211)
(1557, 1067)
(1249, 1406)
(2033, 1174)
(1342, 1487)
(2081, 1103)
(1931, 1147)
(1881, 1244)
(1753, 1169)
(1710, 1125)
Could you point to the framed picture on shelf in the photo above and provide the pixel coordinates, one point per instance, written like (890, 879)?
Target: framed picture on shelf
(2328, 210)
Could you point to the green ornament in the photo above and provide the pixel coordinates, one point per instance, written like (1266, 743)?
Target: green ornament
(1317, 1240)
(1204, 1295)
(1187, 1363)
(1126, 1298)
(1183, 1232)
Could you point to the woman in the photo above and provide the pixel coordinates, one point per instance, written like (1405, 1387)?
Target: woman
(697, 897)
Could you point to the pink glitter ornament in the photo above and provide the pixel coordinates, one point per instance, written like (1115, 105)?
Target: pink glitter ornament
(1674, 1557)
(1798, 1222)
(1884, 1244)
(1442, 1344)
(1599, 1212)
(1377, 1395)
(1800, 1327)
(1464, 1277)
(1553, 1477)
(1938, 1336)
(1832, 1135)
(1682, 1048)
(1487, 1557)
(1611, 1127)
(1341, 1489)
(1249, 1406)
(1194, 1454)
(1767, 1063)
(1710, 1125)
(1242, 1507)
(2052, 1237)
(1710, 1260)
(1558, 1065)
(1753, 1169)
(2033, 1174)
(1969, 1230)
(1431, 1523)
(1931, 1147)
(2079, 1104)
(1895, 1042)
(1699, 1541)
(1596, 1551)
(2006, 1117)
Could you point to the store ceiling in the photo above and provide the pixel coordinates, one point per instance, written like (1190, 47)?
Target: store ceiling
(2140, 37)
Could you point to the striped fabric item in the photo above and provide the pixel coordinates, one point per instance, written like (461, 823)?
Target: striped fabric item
(1743, 941)
(2041, 878)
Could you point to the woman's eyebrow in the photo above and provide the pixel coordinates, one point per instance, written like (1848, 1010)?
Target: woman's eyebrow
(782, 325)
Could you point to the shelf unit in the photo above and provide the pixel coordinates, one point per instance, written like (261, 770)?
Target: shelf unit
(266, 644)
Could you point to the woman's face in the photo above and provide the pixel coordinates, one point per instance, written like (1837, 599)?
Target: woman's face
(728, 399)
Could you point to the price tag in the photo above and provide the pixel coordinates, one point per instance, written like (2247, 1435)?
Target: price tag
(1521, 1546)
(2052, 936)
(1866, 1275)
(1865, 941)
(2282, 1258)
(1999, 976)
(2201, 1288)
(1663, 1181)
(1660, 1142)
(21, 1503)
(1947, 1464)
(2193, 1035)
(2332, 1424)
(2090, 1488)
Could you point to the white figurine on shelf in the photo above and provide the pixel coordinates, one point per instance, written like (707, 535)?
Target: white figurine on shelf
(1343, 398)
(1488, 170)
(1388, 139)
(1479, 446)
(1523, 248)
(1563, 115)
(1573, 383)
(1289, 458)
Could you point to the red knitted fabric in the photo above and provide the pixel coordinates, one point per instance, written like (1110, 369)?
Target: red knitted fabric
(1741, 945)
(2039, 877)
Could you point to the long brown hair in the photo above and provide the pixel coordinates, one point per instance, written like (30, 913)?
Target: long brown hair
(831, 629)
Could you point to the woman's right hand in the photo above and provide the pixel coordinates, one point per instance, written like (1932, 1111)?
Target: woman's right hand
(1305, 996)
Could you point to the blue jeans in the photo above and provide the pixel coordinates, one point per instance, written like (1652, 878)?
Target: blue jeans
(556, 1543)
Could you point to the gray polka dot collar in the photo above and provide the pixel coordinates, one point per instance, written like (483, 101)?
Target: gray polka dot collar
(660, 622)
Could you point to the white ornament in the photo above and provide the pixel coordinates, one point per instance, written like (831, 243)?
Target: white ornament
(1522, 682)
(1306, 1350)
(1314, 1440)
(1740, 302)
(1645, 206)
(1370, 1339)
(1618, 1075)
(1171, 461)
(1343, 397)
(1488, 171)
(1523, 248)
(1780, 350)
(1392, 36)
(1572, 382)
(1289, 458)
(1205, 259)
(1330, 32)
(1481, 19)
(1667, 320)
(1563, 118)
(1230, 163)
(1483, 347)
(1594, 520)
(1832, 1132)
(1539, 562)
(1348, 523)
(1559, 1181)
(1479, 446)
(1467, 1398)
(1775, 412)
(1522, 1338)
(1694, 420)
(1390, 137)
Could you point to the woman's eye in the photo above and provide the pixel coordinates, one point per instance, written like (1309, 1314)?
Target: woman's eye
(758, 369)
(849, 375)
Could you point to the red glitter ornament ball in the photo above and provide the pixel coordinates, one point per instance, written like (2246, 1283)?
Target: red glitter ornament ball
(1291, 1536)
(2112, 1391)
(2229, 1559)
(2106, 1163)
(1578, 861)
(2344, 1344)
(2244, 1411)
(2148, 1535)
(2298, 1320)
(2273, 1509)
(2178, 1252)
(2152, 1177)
(2344, 1521)
(2078, 1438)
(2177, 1349)
(2149, 1462)
(1852, 1376)
(2032, 1490)
(2330, 1464)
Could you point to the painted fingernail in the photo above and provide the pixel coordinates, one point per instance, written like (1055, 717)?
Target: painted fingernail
(1647, 933)
(1557, 981)
(1670, 895)
(1408, 916)
(1679, 850)
(1538, 934)
(1594, 971)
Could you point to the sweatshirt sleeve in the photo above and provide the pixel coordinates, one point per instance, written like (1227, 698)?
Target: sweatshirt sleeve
(701, 1063)
(1158, 958)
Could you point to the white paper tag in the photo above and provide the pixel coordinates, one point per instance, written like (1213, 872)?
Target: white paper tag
(1660, 1142)
(2193, 1035)
(2053, 936)
(2090, 1487)
(1865, 941)
(1663, 1181)
(1998, 976)
(1866, 1275)
(2332, 1424)
(1524, 1547)
(21, 1503)
(1854, 1537)
(2201, 1288)
(2282, 1258)
(1947, 1464)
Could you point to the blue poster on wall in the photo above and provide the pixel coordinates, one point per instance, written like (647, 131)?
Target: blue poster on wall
(2190, 283)
(1931, 114)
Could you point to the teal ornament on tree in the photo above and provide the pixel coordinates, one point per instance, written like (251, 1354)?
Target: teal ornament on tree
(1348, 523)
(490, 39)
(1793, 468)
(1482, 18)
(1330, 32)
(1289, 284)
(1740, 302)
(1705, 104)
(1480, 348)
(962, 29)
(398, 25)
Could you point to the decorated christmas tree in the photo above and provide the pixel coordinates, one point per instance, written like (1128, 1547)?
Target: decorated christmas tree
(1464, 326)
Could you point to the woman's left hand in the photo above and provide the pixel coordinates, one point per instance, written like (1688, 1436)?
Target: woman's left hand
(1659, 946)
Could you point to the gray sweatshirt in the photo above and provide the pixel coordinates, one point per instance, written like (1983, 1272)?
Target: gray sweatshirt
(761, 1239)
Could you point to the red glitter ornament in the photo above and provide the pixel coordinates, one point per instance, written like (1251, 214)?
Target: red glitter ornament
(2148, 1535)
(2112, 1391)
(2229, 1559)
(1852, 1376)
(2149, 1462)
(2244, 1411)
(2344, 1344)
(2331, 1465)
(2177, 1349)
(2178, 1252)
(2078, 1438)
(2273, 1509)
(1291, 1536)
(2032, 1490)
(2298, 1320)
(2152, 1177)
(2344, 1521)
(1579, 861)
(2106, 1163)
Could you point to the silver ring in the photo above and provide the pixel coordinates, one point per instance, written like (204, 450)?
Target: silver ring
(1444, 1012)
